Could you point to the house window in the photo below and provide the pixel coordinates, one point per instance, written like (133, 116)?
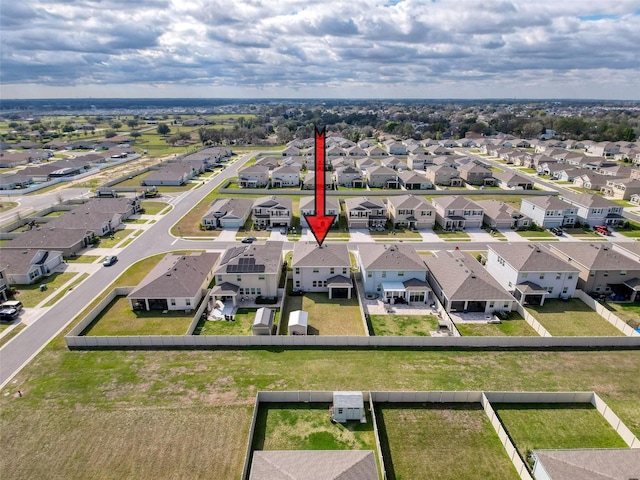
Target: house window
(369, 274)
(173, 302)
(238, 278)
(241, 291)
(623, 272)
(524, 275)
(297, 270)
(261, 277)
(550, 289)
(505, 305)
(401, 274)
(344, 270)
(258, 291)
(606, 274)
(592, 274)
(384, 274)
(219, 278)
(491, 304)
(253, 291)
(542, 276)
(558, 275)
(598, 288)
(570, 276)
(316, 270)
(315, 283)
(332, 270)
(187, 302)
(565, 289)
(297, 283)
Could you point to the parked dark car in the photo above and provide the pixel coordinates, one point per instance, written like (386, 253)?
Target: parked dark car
(556, 231)
(297, 293)
(8, 314)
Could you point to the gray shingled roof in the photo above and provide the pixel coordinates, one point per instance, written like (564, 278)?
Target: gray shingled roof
(176, 275)
(549, 203)
(498, 210)
(363, 202)
(314, 465)
(231, 206)
(19, 261)
(596, 256)
(530, 257)
(589, 200)
(390, 257)
(263, 257)
(591, 463)
(308, 254)
(49, 238)
(463, 278)
(308, 202)
(455, 202)
(409, 201)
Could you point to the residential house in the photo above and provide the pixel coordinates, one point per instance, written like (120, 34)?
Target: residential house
(364, 163)
(272, 211)
(443, 175)
(501, 215)
(23, 267)
(290, 151)
(603, 270)
(437, 150)
(604, 149)
(591, 181)
(412, 180)
(454, 212)
(308, 207)
(349, 177)
(419, 161)
(309, 182)
(375, 151)
(285, 176)
(363, 212)
(177, 282)
(462, 284)
(549, 211)
(394, 163)
(4, 286)
(335, 151)
(341, 162)
(253, 176)
(69, 241)
(227, 213)
(531, 273)
(594, 209)
(508, 180)
(474, 174)
(305, 464)
(601, 463)
(621, 188)
(447, 161)
(621, 171)
(382, 177)
(395, 148)
(269, 162)
(173, 174)
(395, 272)
(322, 269)
(355, 151)
(248, 271)
(12, 181)
(411, 211)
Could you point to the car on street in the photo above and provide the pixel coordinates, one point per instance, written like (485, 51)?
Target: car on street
(249, 239)
(109, 260)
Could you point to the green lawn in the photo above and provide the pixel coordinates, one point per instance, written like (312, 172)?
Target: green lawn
(516, 326)
(403, 325)
(110, 241)
(30, 295)
(580, 232)
(556, 426)
(152, 207)
(326, 317)
(118, 319)
(5, 338)
(71, 286)
(632, 232)
(536, 235)
(572, 318)
(443, 441)
(307, 426)
(628, 312)
(241, 325)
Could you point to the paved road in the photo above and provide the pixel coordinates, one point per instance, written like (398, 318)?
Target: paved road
(20, 350)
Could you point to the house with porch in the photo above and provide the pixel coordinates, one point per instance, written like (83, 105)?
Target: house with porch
(177, 282)
(349, 177)
(253, 176)
(382, 177)
(621, 188)
(23, 267)
(248, 271)
(322, 269)
(603, 270)
(549, 211)
(227, 213)
(395, 272)
(501, 215)
(412, 180)
(531, 273)
(419, 161)
(594, 209)
(272, 211)
(443, 175)
(285, 176)
(462, 284)
(364, 212)
(508, 180)
(454, 212)
(411, 211)
(308, 207)
(474, 174)
(394, 163)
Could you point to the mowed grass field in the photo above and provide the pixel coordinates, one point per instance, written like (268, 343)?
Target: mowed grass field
(443, 441)
(572, 318)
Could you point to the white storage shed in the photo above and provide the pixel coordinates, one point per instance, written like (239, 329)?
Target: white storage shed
(263, 322)
(348, 406)
(298, 322)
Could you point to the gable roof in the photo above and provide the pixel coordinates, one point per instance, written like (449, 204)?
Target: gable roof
(363, 203)
(273, 202)
(455, 202)
(529, 257)
(308, 254)
(590, 463)
(548, 203)
(588, 200)
(176, 275)
(595, 256)
(253, 258)
(313, 465)
(390, 257)
(409, 201)
(496, 209)
(230, 207)
(510, 177)
(308, 202)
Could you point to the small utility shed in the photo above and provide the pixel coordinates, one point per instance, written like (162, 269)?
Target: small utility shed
(348, 406)
(263, 322)
(298, 322)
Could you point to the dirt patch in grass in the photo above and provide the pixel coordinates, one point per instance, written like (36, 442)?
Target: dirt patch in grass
(572, 318)
(444, 441)
(403, 325)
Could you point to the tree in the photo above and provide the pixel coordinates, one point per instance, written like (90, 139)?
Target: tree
(163, 129)
(132, 123)
(628, 134)
(135, 134)
(110, 134)
(116, 125)
(284, 134)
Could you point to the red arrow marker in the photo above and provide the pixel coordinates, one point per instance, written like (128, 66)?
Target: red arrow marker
(320, 222)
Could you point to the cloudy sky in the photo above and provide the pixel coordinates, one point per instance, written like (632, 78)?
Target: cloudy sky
(326, 48)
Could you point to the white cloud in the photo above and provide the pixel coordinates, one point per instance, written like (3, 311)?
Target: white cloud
(446, 48)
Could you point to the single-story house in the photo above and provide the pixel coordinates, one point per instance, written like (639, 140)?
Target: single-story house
(227, 213)
(23, 267)
(499, 215)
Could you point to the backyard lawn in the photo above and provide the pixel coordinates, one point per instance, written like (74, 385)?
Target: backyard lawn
(118, 319)
(551, 426)
(31, 295)
(241, 325)
(628, 312)
(443, 441)
(403, 325)
(516, 326)
(572, 318)
(326, 317)
(307, 426)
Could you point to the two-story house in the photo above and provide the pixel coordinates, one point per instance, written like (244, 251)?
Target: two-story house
(621, 188)
(248, 271)
(395, 272)
(454, 212)
(474, 174)
(603, 270)
(594, 209)
(443, 175)
(549, 211)
(531, 273)
(272, 211)
(285, 176)
(419, 161)
(253, 176)
(308, 207)
(322, 269)
(382, 177)
(411, 211)
(364, 212)
(349, 177)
